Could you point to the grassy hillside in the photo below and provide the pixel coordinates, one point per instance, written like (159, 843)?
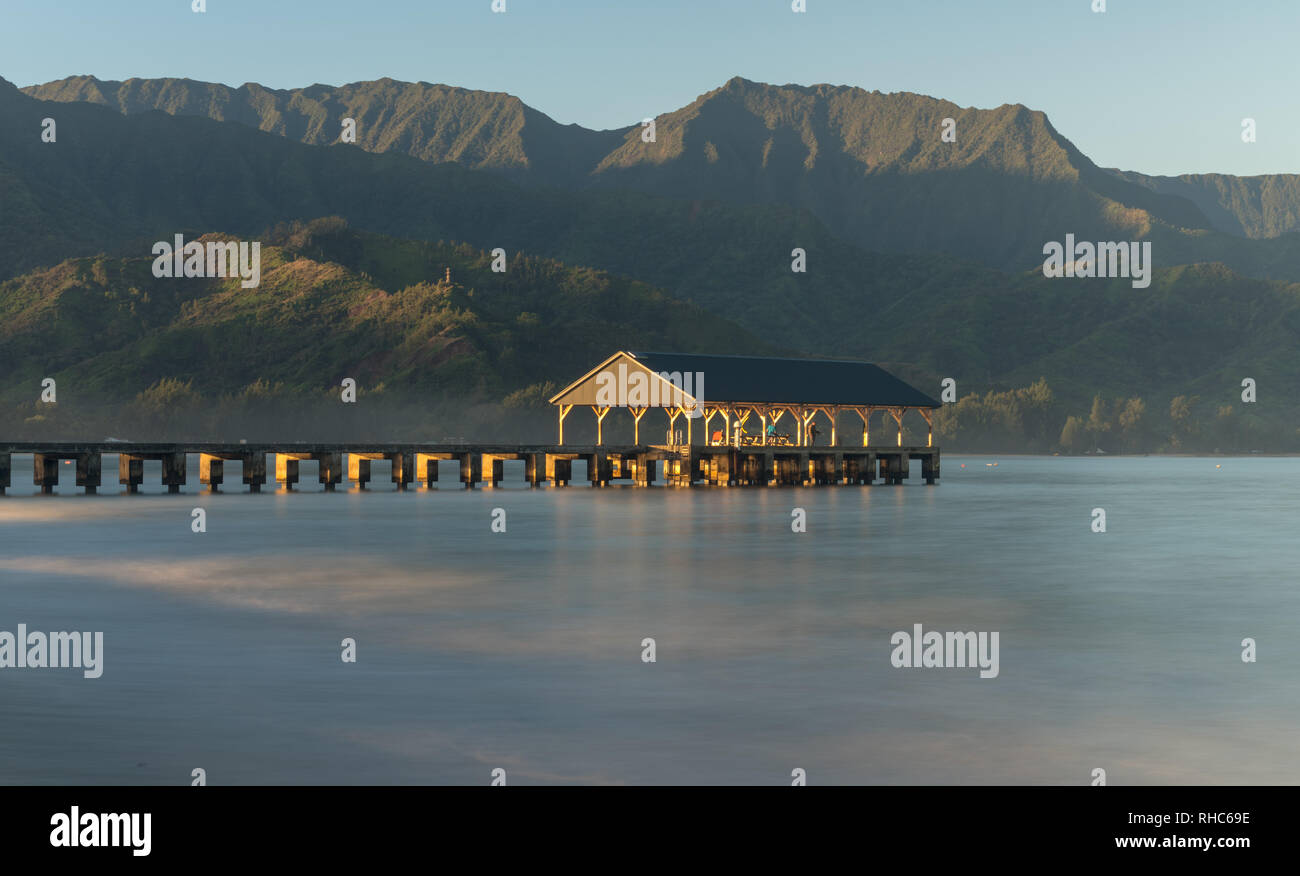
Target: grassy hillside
(117, 184)
(335, 304)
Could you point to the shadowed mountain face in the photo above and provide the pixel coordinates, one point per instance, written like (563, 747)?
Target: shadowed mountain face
(872, 167)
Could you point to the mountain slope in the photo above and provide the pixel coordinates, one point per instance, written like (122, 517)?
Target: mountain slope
(435, 123)
(117, 184)
(1252, 206)
(106, 328)
(872, 167)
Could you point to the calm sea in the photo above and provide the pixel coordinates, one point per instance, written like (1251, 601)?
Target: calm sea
(522, 650)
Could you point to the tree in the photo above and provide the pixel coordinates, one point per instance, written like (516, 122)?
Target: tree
(1130, 421)
(1180, 415)
(1098, 423)
(1074, 435)
(1226, 431)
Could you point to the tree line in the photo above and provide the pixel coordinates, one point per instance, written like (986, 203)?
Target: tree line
(1032, 419)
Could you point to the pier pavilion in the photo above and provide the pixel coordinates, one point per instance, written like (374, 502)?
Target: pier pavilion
(698, 389)
(735, 389)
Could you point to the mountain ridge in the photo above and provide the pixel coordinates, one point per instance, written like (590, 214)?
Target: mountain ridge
(870, 165)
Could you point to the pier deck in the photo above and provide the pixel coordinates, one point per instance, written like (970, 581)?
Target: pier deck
(678, 465)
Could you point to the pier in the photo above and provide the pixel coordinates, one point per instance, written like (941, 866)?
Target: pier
(766, 434)
(477, 465)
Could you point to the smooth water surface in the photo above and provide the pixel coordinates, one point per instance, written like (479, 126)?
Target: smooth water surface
(523, 650)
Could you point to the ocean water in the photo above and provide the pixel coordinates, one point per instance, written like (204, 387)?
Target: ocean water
(522, 650)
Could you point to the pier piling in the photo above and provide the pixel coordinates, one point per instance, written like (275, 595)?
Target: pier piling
(678, 465)
(89, 467)
(330, 474)
(211, 471)
(45, 472)
(173, 471)
(130, 471)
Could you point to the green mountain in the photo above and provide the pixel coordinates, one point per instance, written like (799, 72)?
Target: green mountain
(871, 167)
(363, 299)
(335, 303)
(1251, 206)
(436, 123)
(117, 184)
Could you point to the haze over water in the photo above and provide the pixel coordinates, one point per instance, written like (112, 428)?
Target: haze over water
(522, 649)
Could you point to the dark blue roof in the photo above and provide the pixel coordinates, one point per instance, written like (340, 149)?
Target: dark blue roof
(763, 379)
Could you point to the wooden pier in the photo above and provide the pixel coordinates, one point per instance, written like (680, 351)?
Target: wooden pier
(477, 464)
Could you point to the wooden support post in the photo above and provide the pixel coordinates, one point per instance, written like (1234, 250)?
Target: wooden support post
(403, 473)
(471, 469)
(45, 472)
(89, 471)
(286, 470)
(254, 470)
(535, 469)
(898, 418)
(359, 470)
(492, 468)
(173, 472)
(601, 413)
(426, 468)
(929, 422)
(564, 412)
(598, 469)
(6, 471)
(865, 414)
(559, 470)
(637, 414)
(643, 474)
(130, 472)
(673, 414)
(330, 471)
(806, 418)
(211, 470)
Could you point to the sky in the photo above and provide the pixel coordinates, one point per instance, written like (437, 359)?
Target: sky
(1158, 86)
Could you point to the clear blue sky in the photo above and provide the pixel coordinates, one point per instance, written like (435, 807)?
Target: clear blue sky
(1159, 86)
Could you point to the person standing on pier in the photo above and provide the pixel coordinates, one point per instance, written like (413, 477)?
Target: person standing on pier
(812, 434)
